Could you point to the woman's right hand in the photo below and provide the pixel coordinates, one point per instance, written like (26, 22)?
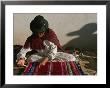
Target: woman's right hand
(21, 62)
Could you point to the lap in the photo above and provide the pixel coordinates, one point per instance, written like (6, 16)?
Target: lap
(58, 56)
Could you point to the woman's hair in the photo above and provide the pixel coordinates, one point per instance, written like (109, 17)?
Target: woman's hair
(39, 24)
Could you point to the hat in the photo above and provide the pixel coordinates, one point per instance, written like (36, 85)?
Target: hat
(39, 24)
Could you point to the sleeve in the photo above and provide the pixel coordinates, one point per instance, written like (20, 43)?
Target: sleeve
(52, 37)
(51, 49)
(22, 53)
(24, 50)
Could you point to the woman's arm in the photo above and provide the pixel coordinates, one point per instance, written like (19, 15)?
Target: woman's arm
(44, 61)
(52, 37)
(50, 48)
(50, 51)
(21, 55)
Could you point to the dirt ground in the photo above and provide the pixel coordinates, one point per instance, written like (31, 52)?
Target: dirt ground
(88, 62)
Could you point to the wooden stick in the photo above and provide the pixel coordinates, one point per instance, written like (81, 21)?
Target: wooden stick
(20, 67)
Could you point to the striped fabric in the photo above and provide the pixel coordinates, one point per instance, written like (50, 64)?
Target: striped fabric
(53, 68)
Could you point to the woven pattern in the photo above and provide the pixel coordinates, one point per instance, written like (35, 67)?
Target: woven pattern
(52, 68)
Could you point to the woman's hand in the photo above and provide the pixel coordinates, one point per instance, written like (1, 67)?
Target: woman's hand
(21, 62)
(43, 62)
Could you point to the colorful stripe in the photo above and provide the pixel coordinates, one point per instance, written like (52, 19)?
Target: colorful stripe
(62, 71)
(56, 68)
(74, 69)
(36, 69)
(69, 69)
(50, 69)
(77, 68)
(31, 70)
(27, 68)
(53, 68)
(43, 70)
(80, 70)
(66, 69)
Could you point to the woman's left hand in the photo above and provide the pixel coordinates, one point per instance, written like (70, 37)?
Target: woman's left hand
(43, 62)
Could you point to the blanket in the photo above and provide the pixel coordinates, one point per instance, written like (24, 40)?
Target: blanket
(52, 68)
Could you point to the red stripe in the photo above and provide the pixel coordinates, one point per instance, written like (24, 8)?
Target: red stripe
(74, 69)
(27, 69)
(36, 70)
(62, 72)
(53, 68)
(43, 70)
(56, 68)
(77, 68)
(50, 68)
(65, 71)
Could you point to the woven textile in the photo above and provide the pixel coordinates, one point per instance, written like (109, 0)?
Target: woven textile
(53, 68)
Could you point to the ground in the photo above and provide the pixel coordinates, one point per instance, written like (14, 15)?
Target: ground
(88, 62)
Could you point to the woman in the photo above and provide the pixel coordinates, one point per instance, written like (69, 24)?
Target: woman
(43, 42)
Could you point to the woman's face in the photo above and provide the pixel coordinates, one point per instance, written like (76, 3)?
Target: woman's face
(41, 34)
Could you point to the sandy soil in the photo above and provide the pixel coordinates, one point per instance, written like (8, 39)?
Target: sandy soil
(88, 62)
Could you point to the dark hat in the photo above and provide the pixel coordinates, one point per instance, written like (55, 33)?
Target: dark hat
(39, 24)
